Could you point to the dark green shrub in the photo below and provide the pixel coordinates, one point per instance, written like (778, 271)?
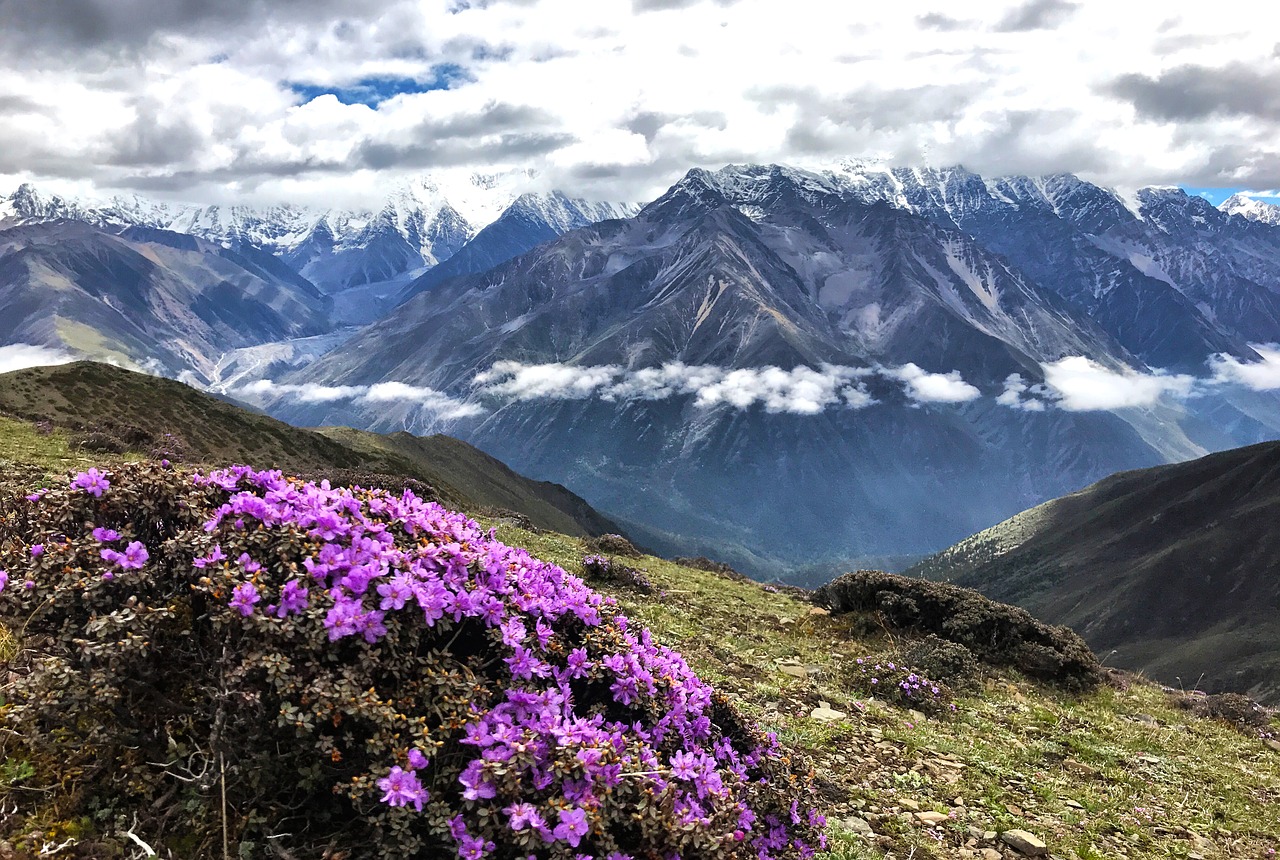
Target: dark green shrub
(357, 671)
(598, 568)
(995, 633)
(948, 662)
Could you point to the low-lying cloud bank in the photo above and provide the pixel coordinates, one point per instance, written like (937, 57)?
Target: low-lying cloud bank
(20, 356)
(1072, 384)
(436, 402)
(800, 391)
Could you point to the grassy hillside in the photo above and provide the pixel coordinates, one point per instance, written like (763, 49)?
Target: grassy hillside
(1170, 570)
(1122, 771)
(99, 409)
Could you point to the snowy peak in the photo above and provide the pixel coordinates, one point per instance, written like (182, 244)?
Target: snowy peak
(1252, 209)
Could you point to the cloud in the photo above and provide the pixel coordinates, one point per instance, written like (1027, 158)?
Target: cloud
(1036, 15)
(1195, 92)
(799, 391)
(925, 387)
(1079, 384)
(20, 356)
(941, 22)
(1261, 375)
(1018, 395)
(438, 403)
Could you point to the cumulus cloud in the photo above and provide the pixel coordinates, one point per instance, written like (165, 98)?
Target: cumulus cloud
(1079, 384)
(436, 402)
(1261, 375)
(799, 391)
(925, 387)
(20, 356)
(213, 102)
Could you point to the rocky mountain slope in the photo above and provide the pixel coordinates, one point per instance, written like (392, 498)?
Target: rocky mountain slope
(910, 392)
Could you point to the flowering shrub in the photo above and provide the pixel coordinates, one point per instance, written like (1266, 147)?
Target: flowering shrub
(899, 684)
(364, 669)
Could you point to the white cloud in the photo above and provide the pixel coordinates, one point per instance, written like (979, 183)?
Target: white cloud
(799, 391)
(1258, 375)
(1078, 384)
(23, 355)
(439, 404)
(195, 99)
(925, 387)
(1015, 394)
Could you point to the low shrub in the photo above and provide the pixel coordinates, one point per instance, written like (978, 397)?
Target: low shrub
(995, 633)
(898, 684)
(948, 662)
(711, 566)
(598, 568)
(1239, 710)
(613, 545)
(357, 671)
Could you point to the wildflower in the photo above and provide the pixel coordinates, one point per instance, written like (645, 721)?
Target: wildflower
(244, 597)
(135, 555)
(92, 482)
(293, 598)
(102, 535)
(4, 579)
(37, 550)
(402, 788)
(417, 761)
(572, 827)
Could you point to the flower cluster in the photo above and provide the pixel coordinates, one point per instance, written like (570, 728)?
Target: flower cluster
(492, 703)
(898, 684)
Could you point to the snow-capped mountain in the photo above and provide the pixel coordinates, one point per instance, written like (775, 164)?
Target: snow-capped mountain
(423, 222)
(1252, 208)
(681, 310)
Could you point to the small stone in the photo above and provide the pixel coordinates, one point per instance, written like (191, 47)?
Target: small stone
(1273, 743)
(916, 715)
(793, 670)
(1024, 843)
(1195, 855)
(957, 801)
(818, 610)
(827, 715)
(856, 824)
(976, 832)
(1073, 804)
(1080, 768)
(991, 854)
(989, 835)
(908, 803)
(1014, 810)
(932, 817)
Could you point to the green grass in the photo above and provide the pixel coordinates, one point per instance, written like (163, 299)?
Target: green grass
(1025, 752)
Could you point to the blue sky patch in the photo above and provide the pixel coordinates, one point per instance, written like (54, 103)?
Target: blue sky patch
(374, 91)
(1217, 195)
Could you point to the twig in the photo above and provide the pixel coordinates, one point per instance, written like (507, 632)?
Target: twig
(147, 849)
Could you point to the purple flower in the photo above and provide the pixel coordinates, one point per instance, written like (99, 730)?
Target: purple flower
(572, 827)
(247, 562)
(293, 598)
(37, 550)
(135, 556)
(4, 579)
(417, 761)
(522, 815)
(102, 535)
(92, 482)
(243, 598)
(473, 847)
(402, 788)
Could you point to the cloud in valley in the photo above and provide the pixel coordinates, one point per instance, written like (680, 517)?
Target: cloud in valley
(23, 355)
(1261, 375)
(435, 402)
(925, 387)
(1078, 384)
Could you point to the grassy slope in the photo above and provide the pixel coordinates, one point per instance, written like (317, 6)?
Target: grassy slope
(1173, 567)
(1023, 751)
(1015, 754)
(82, 396)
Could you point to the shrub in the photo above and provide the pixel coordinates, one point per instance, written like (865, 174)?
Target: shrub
(945, 661)
(1239, 710)
(898, 684)
(995, 633)
(701, 562)
(613, 545)
(363, 671)
(598, 568)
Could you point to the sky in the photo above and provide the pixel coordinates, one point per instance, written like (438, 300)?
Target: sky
(323, 102)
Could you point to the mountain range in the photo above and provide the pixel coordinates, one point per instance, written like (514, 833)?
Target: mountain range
(875, 361)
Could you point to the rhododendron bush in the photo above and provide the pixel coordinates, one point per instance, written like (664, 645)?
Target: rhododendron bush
(360, 669)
